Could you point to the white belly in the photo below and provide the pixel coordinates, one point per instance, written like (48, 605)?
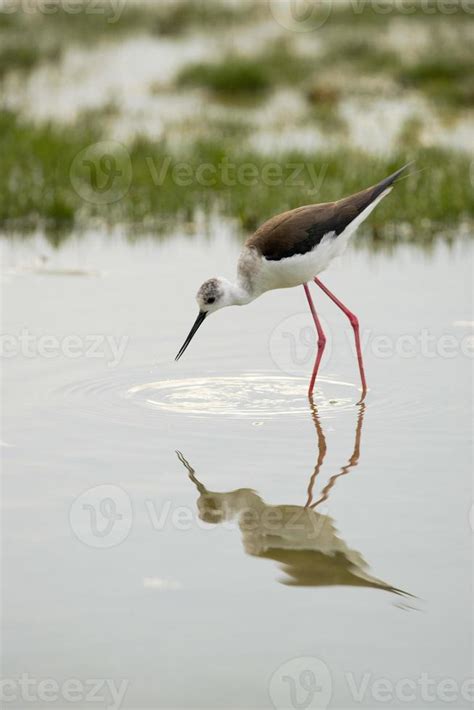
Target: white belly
(301, 268)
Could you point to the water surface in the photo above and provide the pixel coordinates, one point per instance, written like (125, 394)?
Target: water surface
(338, 532)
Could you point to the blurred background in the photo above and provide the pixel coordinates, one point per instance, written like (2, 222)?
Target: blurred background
(305, 102)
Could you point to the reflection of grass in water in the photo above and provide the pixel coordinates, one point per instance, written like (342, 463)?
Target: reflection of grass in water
(35, 186)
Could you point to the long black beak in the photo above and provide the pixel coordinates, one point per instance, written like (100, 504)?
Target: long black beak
(192, 333)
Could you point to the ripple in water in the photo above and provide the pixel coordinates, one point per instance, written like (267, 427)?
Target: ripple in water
(248, 395)
(128, 399)
(135, 399)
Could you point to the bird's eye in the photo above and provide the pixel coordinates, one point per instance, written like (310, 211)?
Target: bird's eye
(210, 300)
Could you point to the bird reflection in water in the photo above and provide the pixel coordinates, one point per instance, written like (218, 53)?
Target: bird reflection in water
(303, 541)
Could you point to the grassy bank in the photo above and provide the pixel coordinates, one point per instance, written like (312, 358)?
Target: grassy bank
(48, 181)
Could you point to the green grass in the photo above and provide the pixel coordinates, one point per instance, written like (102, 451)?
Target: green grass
(443, 73)
(35, 187)
(80, 20)
(361, 14)
(182, 16)
(237, 76)
(354, 48)
(232, 75)
(27, 39)
(17, 58)
(445, 79)
(361, 53)
(324, 109)
(36, 190)
(410, 133)
(352, 45)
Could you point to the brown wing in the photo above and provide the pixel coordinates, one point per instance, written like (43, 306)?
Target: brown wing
(299, 231)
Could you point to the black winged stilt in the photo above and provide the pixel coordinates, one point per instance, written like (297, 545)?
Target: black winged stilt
(291, 249)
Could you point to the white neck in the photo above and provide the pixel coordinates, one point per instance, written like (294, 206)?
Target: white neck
(238, 295)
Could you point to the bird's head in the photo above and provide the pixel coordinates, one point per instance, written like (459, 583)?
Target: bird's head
(214, 294)
(211, 508)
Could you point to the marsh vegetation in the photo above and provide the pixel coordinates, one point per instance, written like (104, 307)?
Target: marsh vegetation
(287, 104)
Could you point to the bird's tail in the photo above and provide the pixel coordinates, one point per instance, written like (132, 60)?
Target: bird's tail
(388, 181)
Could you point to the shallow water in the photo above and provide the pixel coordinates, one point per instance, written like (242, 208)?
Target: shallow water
(206, 582)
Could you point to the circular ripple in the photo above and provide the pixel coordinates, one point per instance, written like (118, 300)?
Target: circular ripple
(136, 398)
(248, 395)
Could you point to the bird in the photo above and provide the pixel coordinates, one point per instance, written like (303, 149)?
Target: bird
(292, 249)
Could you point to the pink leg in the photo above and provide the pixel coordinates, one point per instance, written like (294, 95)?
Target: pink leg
(321, 339)
(355, 327)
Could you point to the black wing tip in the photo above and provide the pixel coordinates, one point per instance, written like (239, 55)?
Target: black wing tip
(390, 180)
(394, 176)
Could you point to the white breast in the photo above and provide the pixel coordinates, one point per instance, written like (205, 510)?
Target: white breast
(298, 269)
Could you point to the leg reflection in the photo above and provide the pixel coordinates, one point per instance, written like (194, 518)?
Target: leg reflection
(352, 463)
(322, 448)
